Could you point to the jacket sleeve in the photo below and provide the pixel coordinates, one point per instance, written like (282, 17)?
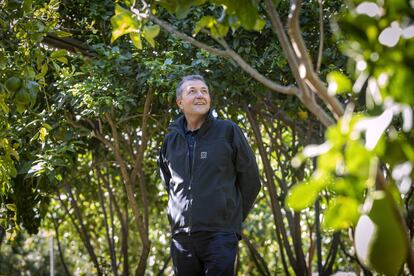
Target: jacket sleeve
(247, 172)
(164, 171)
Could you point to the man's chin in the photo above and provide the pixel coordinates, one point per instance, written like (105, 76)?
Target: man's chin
(200, 111)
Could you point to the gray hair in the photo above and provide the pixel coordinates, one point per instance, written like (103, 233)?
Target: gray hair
(179, 90)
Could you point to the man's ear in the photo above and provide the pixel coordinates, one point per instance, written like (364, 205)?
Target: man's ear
(178, 101)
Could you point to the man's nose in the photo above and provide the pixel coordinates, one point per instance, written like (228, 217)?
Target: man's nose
(199, 94)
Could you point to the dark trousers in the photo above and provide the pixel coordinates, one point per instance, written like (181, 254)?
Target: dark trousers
(204, 253)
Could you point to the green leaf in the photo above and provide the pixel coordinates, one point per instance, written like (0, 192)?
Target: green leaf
(27, 5)
(247, 14)
(42, 134)
(182, 7)
(216, 29)
(205, 21)
(379, 236)
(58, 54)
(357, 159)
(3, 105)
(338, 83)
(150, 32)
(20, 107)
(11, 207)
(342, 213)
(219, 30)
(43, 71)
(123, 23)
(136, 40)
(64, 60)
(259, 25)
(304, 194)
(62, 34)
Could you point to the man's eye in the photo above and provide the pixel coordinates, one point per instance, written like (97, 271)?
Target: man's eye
(191, 91)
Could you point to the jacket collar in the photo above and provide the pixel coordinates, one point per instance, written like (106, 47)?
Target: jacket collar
(179, 124)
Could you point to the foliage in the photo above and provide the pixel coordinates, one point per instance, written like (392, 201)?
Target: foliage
(72, 123)
(378, 135)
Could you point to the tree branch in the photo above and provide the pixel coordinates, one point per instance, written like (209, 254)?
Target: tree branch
(82, 230)
(305, 96)
(321, 37)
(172, 30)
(137, 169)
(111, 245)
(257, 258)
(275, 206)
(62, 258)
(131, 199)
(305, 62)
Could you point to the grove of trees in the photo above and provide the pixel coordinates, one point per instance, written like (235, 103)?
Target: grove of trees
(323, 89)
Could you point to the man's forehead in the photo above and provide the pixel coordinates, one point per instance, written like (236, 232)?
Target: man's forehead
(194, 83)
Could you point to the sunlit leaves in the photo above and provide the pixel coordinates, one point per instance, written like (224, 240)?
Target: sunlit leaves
(242, 13)
(379, 35)
(180, 7)
(304, 194)
(216, 29)
(123, 23)
(342, 213)
(150, 32)
(126, 22)
(136, 40)
(338, 83)
(59, 55)
(245, 11)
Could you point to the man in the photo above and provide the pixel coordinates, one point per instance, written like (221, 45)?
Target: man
(212, 179)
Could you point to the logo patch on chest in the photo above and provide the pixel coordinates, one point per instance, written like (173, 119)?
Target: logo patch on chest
(203, 155)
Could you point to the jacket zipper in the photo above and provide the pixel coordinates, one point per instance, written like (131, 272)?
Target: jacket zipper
(190, 188)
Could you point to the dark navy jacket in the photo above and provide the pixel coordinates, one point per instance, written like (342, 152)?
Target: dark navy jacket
(219, 190)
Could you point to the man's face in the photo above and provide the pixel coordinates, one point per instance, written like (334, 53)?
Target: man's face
(195, 98)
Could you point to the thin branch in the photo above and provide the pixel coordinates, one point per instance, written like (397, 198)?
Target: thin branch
(354, 258)
(70, 44)
(257, 258)
(277, 28)
(318, 232)
(164, 267)
(288, 90)
(297, 244)
(62, 258)
(137, 169)
(330, 259)
(84, 234)
(321, 37)
(122, 220)
(111, 245)
(172, 30)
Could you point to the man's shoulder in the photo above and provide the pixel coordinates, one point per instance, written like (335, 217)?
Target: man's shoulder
(227, 123)
(168, 135)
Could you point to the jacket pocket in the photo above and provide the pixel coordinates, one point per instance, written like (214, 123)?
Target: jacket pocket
(210, 210)
(215, 156)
